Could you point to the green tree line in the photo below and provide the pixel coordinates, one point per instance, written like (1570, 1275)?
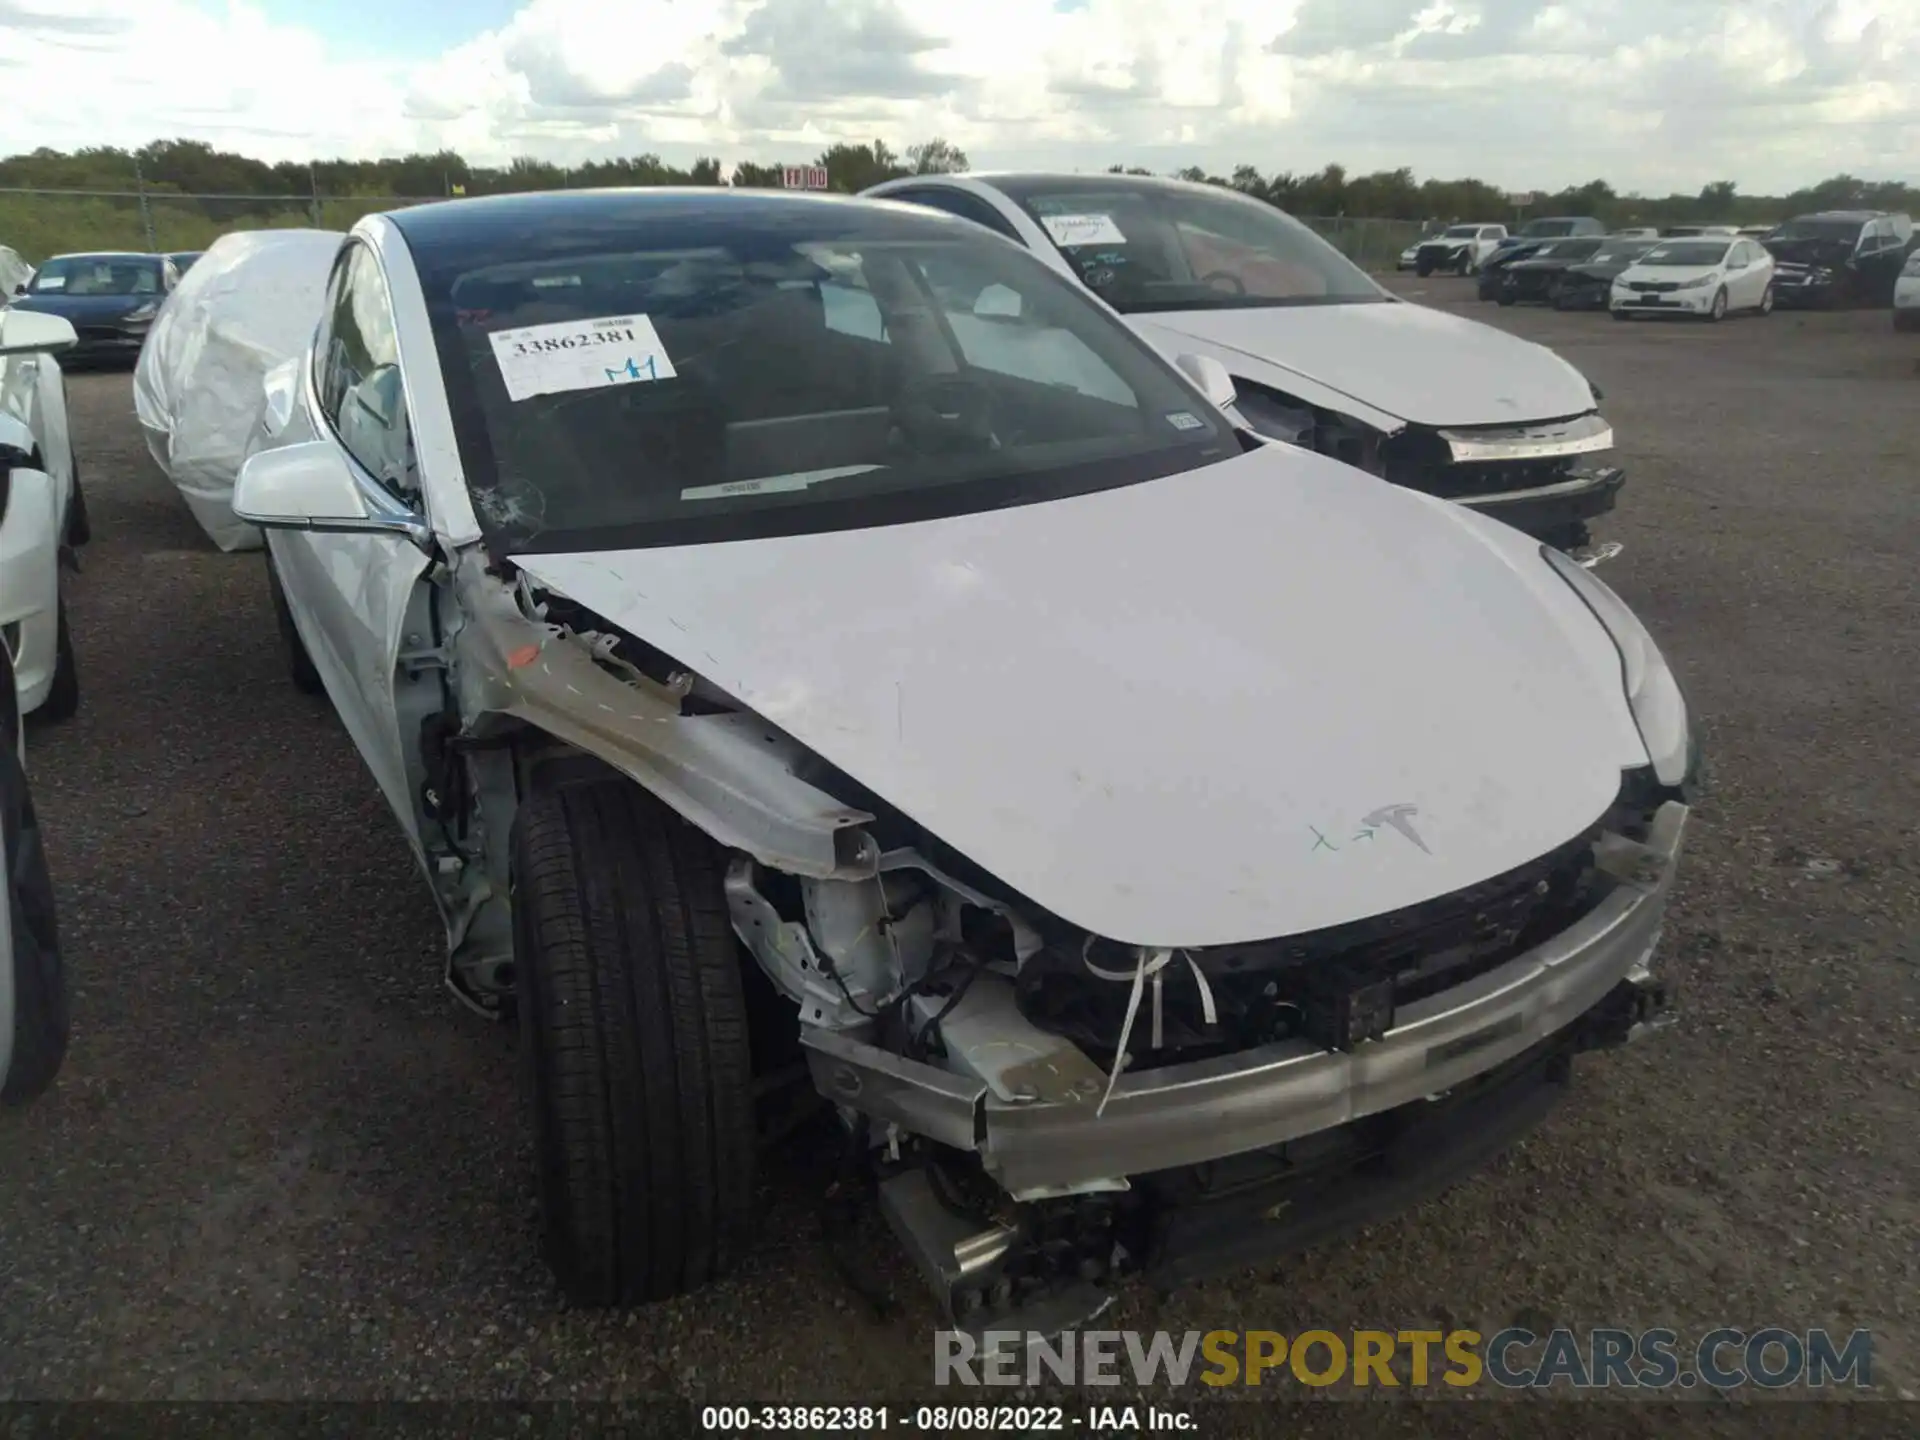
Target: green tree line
(1370, 215)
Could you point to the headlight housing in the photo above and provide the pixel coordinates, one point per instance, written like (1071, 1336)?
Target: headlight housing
(1699, 282)
(1653, 694)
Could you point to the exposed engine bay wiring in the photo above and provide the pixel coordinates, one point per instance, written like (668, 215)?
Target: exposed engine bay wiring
(1150, 966)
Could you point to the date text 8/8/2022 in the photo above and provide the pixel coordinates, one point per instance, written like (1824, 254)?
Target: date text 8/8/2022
(937, 1419)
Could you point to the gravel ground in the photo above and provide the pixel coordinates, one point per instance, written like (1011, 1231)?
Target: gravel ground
(283, 1163)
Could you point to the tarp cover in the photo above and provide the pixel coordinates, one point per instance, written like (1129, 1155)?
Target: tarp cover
(248, 304)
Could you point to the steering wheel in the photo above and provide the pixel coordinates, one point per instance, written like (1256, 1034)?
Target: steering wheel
(1221, 280)
(947, 414)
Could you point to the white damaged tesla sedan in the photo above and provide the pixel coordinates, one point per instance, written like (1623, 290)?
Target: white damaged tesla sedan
(794, 629)
(1321, 355)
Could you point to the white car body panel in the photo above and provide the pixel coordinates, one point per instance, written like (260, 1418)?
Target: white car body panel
(8, 1005)
(1141, 708)
(1383, 365)
(1906, 290)
(348, 593)
(33, 416)
(15, 272)
(355, 590)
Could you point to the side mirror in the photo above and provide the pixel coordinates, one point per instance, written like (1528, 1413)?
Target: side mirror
(311, 486)
(1212, 378)
(30, 332)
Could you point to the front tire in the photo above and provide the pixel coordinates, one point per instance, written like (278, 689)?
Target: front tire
(1766, 299)
(1719, 310)
(634, 1026)
(63, 696)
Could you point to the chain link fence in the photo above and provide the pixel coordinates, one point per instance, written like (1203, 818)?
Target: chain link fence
(1369, 243)
(39, 223)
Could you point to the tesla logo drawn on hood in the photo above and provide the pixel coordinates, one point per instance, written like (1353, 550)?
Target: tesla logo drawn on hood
(1395, 817)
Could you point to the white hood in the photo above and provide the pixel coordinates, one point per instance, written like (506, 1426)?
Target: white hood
(1418, 365)
(1141, 708)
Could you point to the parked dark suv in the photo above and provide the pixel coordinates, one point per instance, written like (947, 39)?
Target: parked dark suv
(1839, 257)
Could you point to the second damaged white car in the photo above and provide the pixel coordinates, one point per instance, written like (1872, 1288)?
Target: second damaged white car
(1141, 831)
(1321, 355)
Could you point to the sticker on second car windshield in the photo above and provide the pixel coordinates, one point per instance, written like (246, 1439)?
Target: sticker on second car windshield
(1071, 230)
(579, 355)
(1186, 420)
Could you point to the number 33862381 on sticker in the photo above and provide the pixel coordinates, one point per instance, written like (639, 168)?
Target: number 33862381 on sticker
(589, 354)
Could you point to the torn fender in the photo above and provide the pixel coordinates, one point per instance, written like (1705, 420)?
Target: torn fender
(730, 775)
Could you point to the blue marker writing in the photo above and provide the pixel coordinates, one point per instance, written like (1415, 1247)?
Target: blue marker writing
(634, 371)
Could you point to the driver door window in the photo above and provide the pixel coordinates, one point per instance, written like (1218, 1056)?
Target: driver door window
(358, 374)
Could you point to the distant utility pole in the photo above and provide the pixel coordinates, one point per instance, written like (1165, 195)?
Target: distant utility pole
(313, 186)
(146, 211)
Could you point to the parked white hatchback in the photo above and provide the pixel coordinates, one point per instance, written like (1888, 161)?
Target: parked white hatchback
(1906, 295)
(43, 517)
(33, 986)
(1709, 276)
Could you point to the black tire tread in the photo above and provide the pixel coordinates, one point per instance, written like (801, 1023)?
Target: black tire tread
(635, 1024)
(41, 1019)
(79, 524)
(63, 696)
(300, 666)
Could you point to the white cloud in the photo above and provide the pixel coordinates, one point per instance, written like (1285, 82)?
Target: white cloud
(1651, 94)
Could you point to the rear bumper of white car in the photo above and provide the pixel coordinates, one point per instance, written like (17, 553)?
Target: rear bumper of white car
(1188, 1114)
(30, 582)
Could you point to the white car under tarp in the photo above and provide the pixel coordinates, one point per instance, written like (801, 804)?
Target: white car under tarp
(248, 304)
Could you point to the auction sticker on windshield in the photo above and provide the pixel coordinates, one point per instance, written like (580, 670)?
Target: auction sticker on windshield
(579, 355)
(1068, 230)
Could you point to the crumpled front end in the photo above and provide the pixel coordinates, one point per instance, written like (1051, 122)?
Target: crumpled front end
(1058, 1111)
(1455, 255)
(1810, 274)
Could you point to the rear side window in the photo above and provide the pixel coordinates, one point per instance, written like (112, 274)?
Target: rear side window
(961, 204)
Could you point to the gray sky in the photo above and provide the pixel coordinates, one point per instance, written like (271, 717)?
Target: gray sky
(1655, 95)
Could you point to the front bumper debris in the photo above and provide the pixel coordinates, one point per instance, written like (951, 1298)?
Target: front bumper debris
(1544, 510)
(1184, 1115)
